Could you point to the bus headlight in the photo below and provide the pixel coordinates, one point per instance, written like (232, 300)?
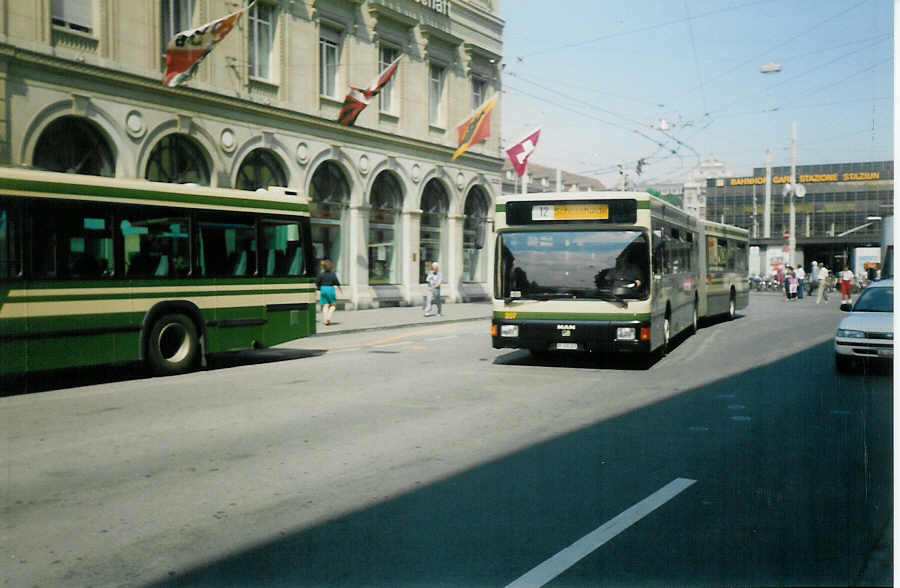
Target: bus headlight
(509, 330)
(625, 334)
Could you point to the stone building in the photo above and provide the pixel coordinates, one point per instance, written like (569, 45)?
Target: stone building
(82, 92)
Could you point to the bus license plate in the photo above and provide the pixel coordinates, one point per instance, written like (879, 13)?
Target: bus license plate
(567, 346)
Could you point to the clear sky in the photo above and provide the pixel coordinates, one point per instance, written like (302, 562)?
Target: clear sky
(600, 77)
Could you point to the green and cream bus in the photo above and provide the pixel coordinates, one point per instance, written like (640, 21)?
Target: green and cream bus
(97, 270)
(608, 272)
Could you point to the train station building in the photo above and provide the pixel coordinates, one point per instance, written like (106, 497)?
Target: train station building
(838, 221)
(81, 84)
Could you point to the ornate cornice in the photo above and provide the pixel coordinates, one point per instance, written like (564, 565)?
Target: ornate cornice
(155, 93)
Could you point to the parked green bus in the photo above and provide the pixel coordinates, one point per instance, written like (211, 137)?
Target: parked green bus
(97, 270)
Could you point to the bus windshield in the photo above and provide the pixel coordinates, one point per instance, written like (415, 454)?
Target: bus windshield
(606, 264)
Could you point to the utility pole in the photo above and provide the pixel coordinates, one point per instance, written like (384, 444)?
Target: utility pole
(792, 238)
(767, 208)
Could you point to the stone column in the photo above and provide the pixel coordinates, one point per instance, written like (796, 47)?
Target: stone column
(358, 256)
(453, 271)
(410, 226)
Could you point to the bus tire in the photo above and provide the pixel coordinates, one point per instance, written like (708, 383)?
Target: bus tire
(695, 320)
(667, 335)
(732, 308)
(173, 345)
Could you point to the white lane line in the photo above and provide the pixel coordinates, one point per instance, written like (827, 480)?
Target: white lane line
(442, 338)
(571, 555)
(392, 344)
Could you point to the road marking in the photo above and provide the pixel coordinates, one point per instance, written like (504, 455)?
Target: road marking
(393, 344)
(346, 349)
(442, 338)
(736, 407)
(741, 418)
(571, 555)
(840, 412)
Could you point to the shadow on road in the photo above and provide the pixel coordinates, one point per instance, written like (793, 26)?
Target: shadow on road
(88, 376)
(794, 487)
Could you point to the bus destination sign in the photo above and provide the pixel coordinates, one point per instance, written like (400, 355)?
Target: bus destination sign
(551, 212)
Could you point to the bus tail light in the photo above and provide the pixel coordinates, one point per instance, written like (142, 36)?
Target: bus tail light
(493, 330)
(645, 333)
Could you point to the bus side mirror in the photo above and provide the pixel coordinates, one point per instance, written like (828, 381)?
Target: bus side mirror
(846, 306)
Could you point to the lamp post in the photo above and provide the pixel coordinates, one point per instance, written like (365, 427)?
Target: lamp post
(790, 191)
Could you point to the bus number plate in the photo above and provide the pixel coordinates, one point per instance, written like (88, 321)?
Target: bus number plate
(546, 212)
(567, 346)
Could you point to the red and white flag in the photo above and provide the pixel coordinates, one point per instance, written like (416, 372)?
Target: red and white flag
(187, 49)
(358, 98)
(519, 152)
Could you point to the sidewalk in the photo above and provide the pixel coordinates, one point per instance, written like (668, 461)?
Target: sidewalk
(354, 321)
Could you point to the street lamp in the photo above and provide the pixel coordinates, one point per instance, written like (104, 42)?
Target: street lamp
(791, 190)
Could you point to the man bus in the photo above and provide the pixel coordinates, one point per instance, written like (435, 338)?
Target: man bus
(608, 272)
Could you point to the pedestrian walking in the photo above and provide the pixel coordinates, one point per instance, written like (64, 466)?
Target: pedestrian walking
(326, 282)
(801, 279)
(822, 278)
(792, 285)
(846, 283)
(433, 279)
(813, 277)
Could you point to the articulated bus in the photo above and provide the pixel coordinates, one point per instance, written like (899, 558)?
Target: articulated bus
(609, 272)
(97, 270)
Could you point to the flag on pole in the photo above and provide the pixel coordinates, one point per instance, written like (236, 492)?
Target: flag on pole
(187, 49)
(358, 98)
(475, 128)
(520, 151)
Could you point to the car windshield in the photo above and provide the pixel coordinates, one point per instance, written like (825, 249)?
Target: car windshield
(875, 300)
(574, 264)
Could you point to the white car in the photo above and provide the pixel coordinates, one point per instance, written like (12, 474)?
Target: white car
(867, 333)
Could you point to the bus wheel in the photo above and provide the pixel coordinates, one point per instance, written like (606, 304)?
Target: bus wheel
(731, 307)
(173, 346)
(695, 320)
(667, 335)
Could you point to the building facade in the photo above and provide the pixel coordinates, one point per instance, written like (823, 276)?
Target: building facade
(839, 215)
(540, 178)
(82, 92)
(694, 190)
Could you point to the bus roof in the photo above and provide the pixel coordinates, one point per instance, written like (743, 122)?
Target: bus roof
(586, 195)
(44, 184)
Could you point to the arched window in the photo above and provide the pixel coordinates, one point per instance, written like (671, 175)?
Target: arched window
(435, 203)
(385, 199)
(329, 191)
(177, 159)
(474, 235)
(74, 145)
(260, 169)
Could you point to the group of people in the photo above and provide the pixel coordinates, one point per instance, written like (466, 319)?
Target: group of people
(327, 284)
(820, 280)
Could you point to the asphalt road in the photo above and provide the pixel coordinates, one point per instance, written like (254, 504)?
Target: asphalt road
(423, 457)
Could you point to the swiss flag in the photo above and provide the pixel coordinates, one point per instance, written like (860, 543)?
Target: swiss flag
(519, 152)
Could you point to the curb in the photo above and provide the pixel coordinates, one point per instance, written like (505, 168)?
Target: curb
(399, 326)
